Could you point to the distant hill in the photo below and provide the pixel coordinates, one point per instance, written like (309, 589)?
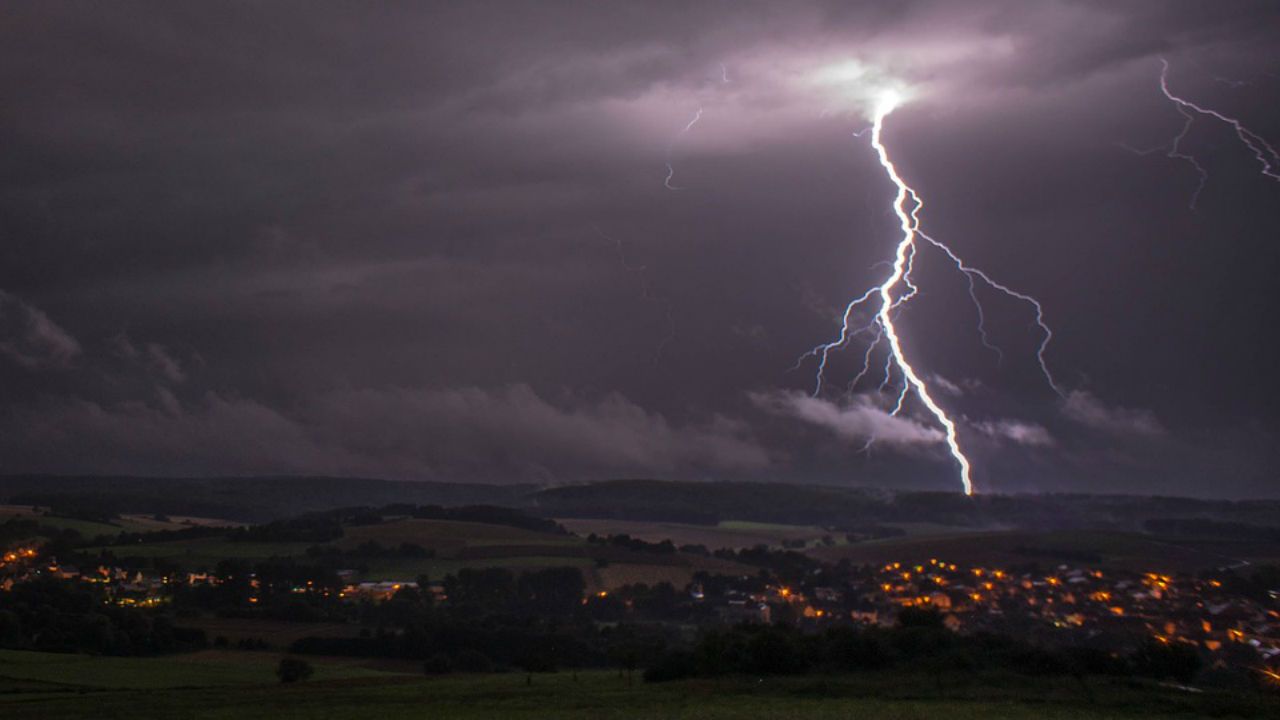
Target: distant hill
(257, 499)
(852, 507)
(250, 499)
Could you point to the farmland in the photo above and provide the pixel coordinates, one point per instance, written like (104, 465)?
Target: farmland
(726, 534)
(448, 546)
(92, 528)
(240, 685)
(1120, 550)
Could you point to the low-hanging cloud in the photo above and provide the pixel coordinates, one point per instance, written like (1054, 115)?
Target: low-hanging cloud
(859, 419)
(1016, 431)
(29, 338)
(509, 433)
(1086, 409)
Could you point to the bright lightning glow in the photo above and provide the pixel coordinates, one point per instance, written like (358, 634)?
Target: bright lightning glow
(898, 288)
(906, 250)
(1262, 150)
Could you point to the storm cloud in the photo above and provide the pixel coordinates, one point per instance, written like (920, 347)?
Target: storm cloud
(433, 240)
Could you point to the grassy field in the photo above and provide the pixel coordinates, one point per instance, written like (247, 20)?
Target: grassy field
(729, 534)
(92, 529)
(240, 685)
(54, 671)
(278, 634)
(451, 536)
(1128, 551)
(87, 528)
(204, 553)
(454, 545)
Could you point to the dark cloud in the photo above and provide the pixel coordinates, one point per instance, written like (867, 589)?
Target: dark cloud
(507, 434)
(29, 338)
(1082, 407)
(323, 237)
(1015, 431)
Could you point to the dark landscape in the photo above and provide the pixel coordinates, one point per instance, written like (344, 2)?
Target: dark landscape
(718, 599)
(639, 359)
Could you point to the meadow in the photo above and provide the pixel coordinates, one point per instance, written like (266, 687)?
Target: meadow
(1137, 552)
(452, 546)
(726, 534)
(229, 685)
(132, 523)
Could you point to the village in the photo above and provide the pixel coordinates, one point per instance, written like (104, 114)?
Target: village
(1105, 608)
(1070, 604)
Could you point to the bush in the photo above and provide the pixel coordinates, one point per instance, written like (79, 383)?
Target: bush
(293, 669)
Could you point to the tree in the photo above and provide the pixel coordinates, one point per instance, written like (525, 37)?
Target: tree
(553, 591)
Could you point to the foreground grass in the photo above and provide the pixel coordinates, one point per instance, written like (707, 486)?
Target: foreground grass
(232, 685)
(84, 673)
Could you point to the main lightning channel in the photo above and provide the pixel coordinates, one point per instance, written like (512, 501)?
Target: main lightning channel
(896, 290)
(884, 318)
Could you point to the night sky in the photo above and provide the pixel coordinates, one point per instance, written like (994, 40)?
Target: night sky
(434, 241)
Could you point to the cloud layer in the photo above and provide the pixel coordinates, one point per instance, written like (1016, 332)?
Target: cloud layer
(29, 338)
(433, 240)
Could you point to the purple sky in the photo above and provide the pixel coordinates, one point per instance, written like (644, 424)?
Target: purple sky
(433, 240)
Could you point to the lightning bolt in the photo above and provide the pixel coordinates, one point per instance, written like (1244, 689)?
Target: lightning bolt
(909, 223)
(671, 171)
(1261, 149)
(883, 300)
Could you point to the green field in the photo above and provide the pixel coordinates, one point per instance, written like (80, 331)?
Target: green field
(728, 534)
(453, 546)
(51, 672)
(204, 553)
(1121, 550)
(91, 529)
(450, 535)
(240, 685)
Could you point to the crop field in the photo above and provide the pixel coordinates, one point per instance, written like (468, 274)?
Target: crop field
(54, 671)
(727, 534)
(204, 553)
(149, 523)
(86, 528)
(1128, 551)
(454, 546)
(276, 633)
(636, 568)
(208, 686)
(92, 529)
(449, 535)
